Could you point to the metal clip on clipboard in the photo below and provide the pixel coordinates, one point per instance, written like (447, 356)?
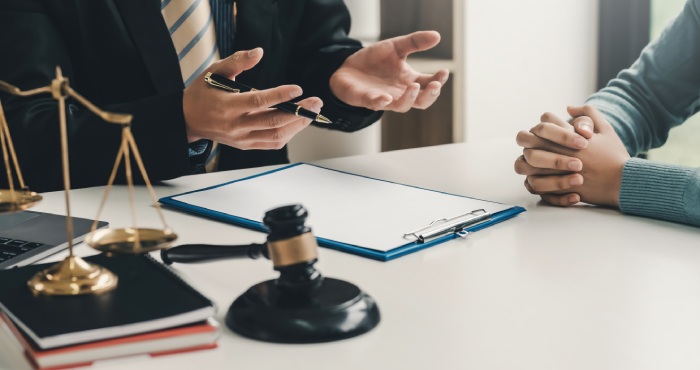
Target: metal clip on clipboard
(456, 225)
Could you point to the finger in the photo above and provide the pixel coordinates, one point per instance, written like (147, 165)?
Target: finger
(276, 138)
(405, 102)
(262, 99)
(601, 123)
(528, 140)
(554, 183)
(559, 135)
(521, 167)
(553, 118)
(238, 62)
(440, 76)
(375, 100)
(575, 110)
(275, 118)
(313, 104)
(528, 187)
(545, 159)
(561, 200)
(583, 125)
(427, 96)
(417, 41)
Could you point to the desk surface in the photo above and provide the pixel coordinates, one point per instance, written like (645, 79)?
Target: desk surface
(553, 288)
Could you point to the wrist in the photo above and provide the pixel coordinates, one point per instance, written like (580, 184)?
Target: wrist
(616, 186)
(334, 86)
(189, 117)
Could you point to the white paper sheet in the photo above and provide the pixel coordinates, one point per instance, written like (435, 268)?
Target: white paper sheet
(342, 207)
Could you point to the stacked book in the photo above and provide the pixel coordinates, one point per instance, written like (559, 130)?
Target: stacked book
(151, 312)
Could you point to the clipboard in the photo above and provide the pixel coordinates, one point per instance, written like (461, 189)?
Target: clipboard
(356, 214)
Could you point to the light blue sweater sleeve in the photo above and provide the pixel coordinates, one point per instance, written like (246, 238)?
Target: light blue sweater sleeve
(658, 92)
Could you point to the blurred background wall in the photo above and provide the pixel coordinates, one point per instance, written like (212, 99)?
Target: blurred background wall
(510, 61)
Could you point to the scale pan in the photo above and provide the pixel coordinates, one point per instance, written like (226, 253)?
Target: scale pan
(124, 241)
(17, 200)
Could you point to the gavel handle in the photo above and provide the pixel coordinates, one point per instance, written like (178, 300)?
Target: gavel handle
(194, 253)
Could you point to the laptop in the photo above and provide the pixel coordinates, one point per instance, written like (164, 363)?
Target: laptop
(26, 237)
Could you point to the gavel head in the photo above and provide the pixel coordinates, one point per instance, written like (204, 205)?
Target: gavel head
(292, 248)
(286, 222)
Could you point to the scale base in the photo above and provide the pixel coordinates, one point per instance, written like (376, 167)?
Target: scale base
(334, 310)
(17, 200)
(73, 276)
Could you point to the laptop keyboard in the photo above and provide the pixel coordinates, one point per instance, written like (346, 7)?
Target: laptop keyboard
(10, 248)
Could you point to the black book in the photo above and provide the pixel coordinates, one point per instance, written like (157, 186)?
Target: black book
(149, 297)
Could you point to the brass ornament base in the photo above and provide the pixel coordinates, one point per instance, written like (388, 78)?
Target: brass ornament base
(17, 200)
(130, 240)
(73, 276)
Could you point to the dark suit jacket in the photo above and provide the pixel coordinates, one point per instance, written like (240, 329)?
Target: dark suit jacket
(119, 55)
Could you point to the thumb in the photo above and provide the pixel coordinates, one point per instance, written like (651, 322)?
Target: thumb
(583, 125)
(238, 62)
(599, 120)
(574, 111)
(416, 41)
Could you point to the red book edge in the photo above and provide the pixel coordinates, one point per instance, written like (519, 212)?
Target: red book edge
(32, 352)
(155, 354)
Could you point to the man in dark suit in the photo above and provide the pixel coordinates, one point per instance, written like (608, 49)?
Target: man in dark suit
(119, 55)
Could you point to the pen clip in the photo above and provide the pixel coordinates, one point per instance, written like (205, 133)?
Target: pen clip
(211, 81)
(455, 224)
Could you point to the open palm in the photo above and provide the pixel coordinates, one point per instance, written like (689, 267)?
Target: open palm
(379, 78)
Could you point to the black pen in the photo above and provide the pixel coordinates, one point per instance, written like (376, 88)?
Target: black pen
(237, 87)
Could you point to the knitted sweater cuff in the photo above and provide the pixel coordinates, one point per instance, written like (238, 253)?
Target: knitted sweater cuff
(654, 190)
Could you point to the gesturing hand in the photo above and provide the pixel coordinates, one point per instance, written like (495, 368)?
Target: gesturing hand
(379, 78)
(567, 163)
(242, 120)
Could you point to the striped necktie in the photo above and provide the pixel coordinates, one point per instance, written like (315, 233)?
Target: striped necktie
(191, 27)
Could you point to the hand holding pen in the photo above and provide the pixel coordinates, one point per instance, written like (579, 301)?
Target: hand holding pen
(224, 83)
(246, 120)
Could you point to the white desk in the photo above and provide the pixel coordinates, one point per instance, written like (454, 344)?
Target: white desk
(553, 288)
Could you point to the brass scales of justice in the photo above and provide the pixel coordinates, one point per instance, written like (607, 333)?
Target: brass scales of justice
(74, 275)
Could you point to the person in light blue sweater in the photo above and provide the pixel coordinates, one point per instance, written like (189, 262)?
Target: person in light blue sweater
(591, 157)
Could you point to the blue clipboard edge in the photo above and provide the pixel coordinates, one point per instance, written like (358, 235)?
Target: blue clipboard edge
(331, 244)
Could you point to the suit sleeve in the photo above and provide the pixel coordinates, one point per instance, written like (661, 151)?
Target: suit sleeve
(321, 46)
(30, 57)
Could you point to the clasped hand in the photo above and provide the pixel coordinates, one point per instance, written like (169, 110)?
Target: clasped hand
(568, 162)
(376, 77)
